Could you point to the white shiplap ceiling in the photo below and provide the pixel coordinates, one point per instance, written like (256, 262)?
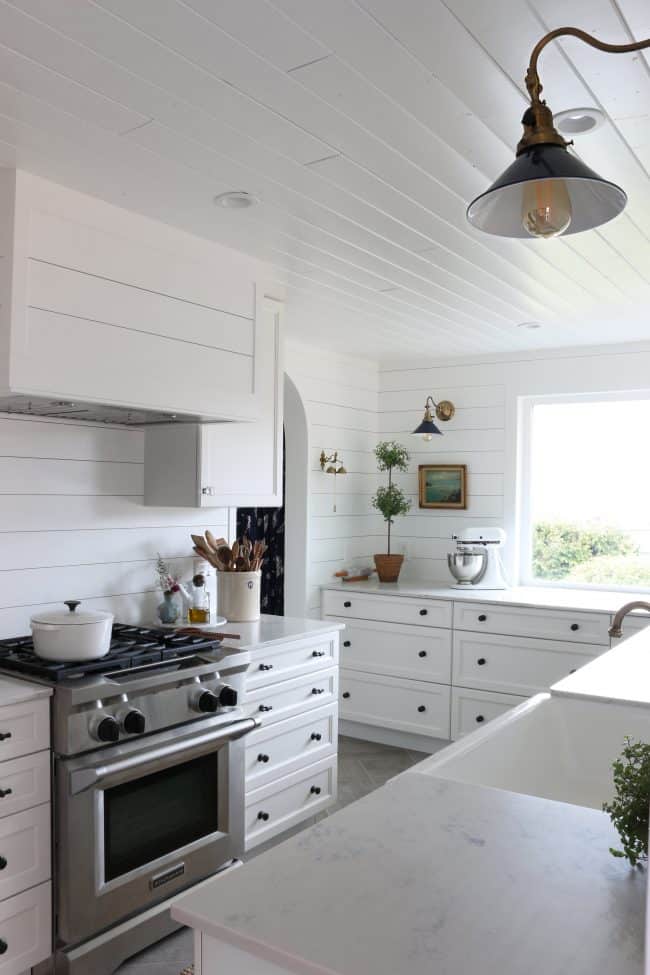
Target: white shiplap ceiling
(364, 126)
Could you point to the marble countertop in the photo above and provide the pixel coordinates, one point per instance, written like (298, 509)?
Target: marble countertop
(621, 675)
(16, 691)
(434, 877)
(269, 630)
(585, 600)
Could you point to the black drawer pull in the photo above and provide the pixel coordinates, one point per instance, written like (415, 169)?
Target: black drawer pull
(481, 661)
(266, 666)
(575, 626)
(422, 653)
(424, 612)
(266, 707)
(262, 758)
(319, 653)
(573, 671)
(4, 735)
(482, 618)
(315, 790)
(3, 946)
(346, 694)
(263, 815)
(347, 643)
(316, 736)
(347, 604)
(5, 792)
(3, 863)
(421, 708)
(479, 718)
(318, 690)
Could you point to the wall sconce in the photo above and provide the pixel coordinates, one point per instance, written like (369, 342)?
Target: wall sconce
(334, 461)
(547, 191)
(444, 411)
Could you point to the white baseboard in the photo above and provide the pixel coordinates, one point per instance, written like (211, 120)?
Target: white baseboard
(398, 739)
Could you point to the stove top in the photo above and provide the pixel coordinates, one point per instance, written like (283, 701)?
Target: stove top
(131, 647)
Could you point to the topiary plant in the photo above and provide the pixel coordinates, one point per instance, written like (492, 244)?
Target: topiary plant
(629, 810)
(391, 500)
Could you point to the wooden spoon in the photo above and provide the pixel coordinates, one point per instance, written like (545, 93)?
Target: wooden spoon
(224, 554)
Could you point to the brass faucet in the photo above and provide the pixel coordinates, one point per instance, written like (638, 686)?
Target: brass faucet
(615, 629)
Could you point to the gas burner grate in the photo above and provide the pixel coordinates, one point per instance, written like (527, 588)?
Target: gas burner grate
(131, 646)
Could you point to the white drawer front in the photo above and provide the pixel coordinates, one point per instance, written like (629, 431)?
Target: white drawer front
(291, 660)
(24, 728)
(418, 652)
(24, 782)
(24, 850)
(279, 806)
(290, 697)
(547, 624)
(391, 609)
(391, 702)
(26, 929)
(473, 709)
(515, 665)
(283, 747)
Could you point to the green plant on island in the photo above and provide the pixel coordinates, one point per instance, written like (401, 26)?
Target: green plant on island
(390, 499)
(629, 810)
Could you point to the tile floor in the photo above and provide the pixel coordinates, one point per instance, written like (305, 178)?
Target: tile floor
(363, 766)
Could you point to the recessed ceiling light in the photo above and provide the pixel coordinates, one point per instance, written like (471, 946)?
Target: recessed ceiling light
(236, 200)
(529, 325)
(579, 121)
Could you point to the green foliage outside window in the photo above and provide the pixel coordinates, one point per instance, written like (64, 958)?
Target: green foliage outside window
(593, 554)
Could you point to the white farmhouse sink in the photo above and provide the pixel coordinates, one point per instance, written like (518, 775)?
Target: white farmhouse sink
(555, 748)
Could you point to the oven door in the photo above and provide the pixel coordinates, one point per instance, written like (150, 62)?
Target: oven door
(137, 822)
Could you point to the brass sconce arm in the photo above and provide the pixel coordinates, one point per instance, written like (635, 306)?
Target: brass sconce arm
(334, 461)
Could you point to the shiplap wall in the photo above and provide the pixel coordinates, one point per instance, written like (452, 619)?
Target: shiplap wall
(339, 394)
(73, 525)
(483, 434)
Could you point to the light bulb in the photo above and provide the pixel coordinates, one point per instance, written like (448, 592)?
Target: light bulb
(427, 437)
(546, 209)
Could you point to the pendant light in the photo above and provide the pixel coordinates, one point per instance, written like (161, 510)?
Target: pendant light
(547, 191)
(444, 411)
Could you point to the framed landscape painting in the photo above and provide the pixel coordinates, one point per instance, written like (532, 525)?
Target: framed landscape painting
(443, 485)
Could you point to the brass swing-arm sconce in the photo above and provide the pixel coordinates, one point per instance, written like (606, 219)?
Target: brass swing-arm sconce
(548, 191)
(444, 411)
(334, 461)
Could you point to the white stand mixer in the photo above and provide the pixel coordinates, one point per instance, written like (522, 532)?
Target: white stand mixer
(476, 562)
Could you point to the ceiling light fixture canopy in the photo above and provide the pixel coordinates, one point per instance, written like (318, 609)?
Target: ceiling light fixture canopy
(444, 411)
(547, 191)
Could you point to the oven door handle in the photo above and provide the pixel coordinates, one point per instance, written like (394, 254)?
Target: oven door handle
(88, 778)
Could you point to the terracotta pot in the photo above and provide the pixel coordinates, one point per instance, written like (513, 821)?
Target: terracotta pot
(388, 567)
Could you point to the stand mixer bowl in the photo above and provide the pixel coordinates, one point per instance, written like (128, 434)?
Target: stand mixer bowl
(467, 567)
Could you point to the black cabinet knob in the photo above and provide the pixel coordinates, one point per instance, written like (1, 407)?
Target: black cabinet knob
(479, 718)
(421, 708)
(346, 694)
(481, 661)
(424, 612)
(3, 862)
(262, 758)
(347, 643)
(422, 653)
(321, 653)
(266, 666)
(316, 736)
(347, 604)
(315, 790)
(482, 618)
(4, 735)
(573, 670)
(5, 792)
(266, 707)
(3, 946)
(318, 690)
(263, 815)
(575, 626)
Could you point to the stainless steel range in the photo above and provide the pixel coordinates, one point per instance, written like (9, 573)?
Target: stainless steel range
(148, 767)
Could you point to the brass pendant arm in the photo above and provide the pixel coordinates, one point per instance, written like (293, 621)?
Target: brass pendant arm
(533, 83)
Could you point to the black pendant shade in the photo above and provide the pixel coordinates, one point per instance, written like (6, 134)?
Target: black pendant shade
(593, 200)
(428, 428)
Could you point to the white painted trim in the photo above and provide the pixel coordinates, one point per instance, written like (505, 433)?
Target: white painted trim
(296, 503)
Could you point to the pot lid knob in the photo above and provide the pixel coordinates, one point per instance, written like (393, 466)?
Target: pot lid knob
(72, 604)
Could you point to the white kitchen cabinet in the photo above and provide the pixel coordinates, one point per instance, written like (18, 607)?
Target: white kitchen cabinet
(26, 929)
(471, 709)
(218, 465)
(276, 750)
(423, 653)
(411, 706)
(289, 800)
(393, 609)
(542, 622)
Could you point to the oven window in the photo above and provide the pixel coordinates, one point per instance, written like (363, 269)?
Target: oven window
(159, 813)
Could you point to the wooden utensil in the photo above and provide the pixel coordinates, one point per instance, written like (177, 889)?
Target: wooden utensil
(210, 634)
(235, 550)
(224, 554)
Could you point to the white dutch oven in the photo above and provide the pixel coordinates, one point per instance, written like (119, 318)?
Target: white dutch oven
(70, 635)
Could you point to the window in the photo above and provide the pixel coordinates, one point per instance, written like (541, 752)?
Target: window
(585, 499)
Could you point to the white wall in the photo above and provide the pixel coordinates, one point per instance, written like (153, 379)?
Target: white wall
(339, 394)
(487, 393)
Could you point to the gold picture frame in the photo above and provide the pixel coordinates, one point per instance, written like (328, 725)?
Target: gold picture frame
(442, 485)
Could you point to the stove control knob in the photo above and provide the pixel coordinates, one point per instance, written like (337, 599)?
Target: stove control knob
(106, 729)
(228, 697)
(206, 702)
(134, 722)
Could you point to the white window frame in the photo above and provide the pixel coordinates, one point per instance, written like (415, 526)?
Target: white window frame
(524, 485)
